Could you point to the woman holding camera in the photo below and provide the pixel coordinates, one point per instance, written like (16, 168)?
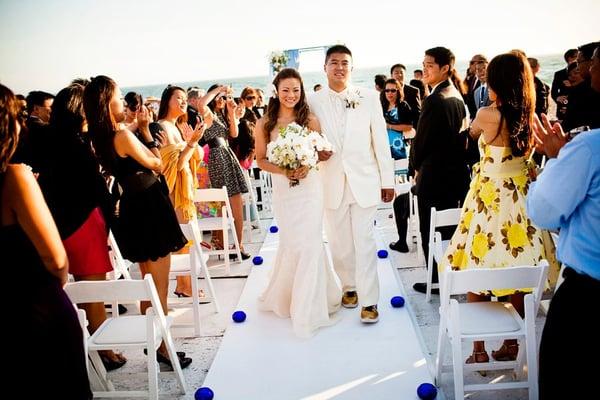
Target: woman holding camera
(223, 166)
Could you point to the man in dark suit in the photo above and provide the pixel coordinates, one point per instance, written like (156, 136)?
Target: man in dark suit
(438, 151)
(584, 102)
(561, 86)
(411, 93)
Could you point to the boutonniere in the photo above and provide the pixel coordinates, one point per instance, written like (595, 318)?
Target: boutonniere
(353, 99)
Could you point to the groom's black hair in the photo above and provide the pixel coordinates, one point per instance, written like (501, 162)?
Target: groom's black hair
(339, 49)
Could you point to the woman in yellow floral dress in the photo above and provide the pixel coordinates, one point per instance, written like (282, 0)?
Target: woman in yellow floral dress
(494, 229)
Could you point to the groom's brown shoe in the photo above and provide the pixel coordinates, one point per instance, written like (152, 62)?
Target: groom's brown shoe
(350, 299)
(369, 315)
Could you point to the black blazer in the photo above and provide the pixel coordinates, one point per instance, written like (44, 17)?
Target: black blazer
(413, 98)
(558, 86)
(438, 151)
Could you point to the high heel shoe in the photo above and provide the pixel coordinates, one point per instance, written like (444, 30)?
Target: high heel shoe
(202, 296)
(184, 362)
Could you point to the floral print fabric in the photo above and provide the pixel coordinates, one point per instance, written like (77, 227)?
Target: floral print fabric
(494, 229)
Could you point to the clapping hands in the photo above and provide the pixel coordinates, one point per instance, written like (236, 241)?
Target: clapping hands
(549, 139)
(192, 136)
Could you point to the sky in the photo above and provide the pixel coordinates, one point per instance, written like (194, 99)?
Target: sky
(45, 44)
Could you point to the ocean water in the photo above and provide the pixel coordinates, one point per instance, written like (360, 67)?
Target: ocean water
(360, 77)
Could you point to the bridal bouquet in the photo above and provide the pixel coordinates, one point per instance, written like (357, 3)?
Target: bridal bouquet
(295, 147)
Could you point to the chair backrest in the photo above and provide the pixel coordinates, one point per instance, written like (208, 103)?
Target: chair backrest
(119, 264)
(205, 195)
(448, 217)
(482, 279)
(117, 291)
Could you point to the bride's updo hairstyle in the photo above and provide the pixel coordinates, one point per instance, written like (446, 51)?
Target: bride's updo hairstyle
(509, 76)
(301, 108)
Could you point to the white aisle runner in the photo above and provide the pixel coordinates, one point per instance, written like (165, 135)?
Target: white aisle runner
(261, 359)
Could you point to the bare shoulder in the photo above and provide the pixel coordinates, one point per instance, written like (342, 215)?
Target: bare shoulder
(19, 174)
(489, 114)
(313, 122)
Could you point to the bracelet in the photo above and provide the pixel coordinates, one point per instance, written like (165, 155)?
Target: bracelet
(152, 144)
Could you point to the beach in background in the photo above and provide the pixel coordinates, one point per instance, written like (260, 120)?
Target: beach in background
(360, 77)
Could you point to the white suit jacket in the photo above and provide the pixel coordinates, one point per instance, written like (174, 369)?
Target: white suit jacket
(361, 152)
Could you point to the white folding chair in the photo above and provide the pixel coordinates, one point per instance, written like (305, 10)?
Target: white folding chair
(490, 321)
(250, 207)
(223, 223)
(119, 264)
(131, 331)
(437, 246)
(266, 187)
(192, 264)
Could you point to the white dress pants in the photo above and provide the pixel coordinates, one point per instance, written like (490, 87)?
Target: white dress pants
(350, 231)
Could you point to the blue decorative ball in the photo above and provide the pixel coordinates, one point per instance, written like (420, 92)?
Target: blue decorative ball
(239, 316)
(426, 391)
(273, 229)
(397, 301)
(204, 393)
(382, 253)
(257, 260)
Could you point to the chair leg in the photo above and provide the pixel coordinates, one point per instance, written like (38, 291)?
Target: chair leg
(152, 373)
(441, 349)
(226, 249)
(209, 284)
(457, 356)
(195, 296)
(531, 348)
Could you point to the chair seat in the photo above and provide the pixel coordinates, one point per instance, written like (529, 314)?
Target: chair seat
(402, 188)
(129, 330)
(211, 224)
(487, 317)
(181, 262)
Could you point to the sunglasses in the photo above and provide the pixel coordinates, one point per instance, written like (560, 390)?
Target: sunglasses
(390, 90)
(250, 97)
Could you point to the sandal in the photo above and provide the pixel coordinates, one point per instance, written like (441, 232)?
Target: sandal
(507, 352)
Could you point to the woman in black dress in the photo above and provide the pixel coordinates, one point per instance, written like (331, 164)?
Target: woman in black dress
(146, 229)
(46, 333)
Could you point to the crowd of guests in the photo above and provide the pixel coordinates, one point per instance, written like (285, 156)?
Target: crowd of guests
(470, 144)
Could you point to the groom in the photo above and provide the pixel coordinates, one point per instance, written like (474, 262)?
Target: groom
(357, 176)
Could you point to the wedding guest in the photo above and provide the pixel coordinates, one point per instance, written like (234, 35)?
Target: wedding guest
(146, 229)
(541, 89)
(411, 94)
(303, 286)
(398, 116)
(317, 87)
(260, 107)
(380, 82)
(223, 166)
(471, 82)
(494, 229)
(81, 219)
(561, 85)
(180, 156)
(194, 94)
(133, 101)
(249, 99)
(33, 140)
(437, 154)
(584, 102)
(417, 82)
(50, 334)
(570, 206)
(481, 95)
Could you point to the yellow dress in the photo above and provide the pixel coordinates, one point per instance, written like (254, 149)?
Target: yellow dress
(494, 229)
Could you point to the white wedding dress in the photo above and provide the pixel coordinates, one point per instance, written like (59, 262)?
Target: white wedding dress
(302, 284)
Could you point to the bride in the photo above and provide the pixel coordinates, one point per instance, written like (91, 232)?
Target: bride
(303, 285)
